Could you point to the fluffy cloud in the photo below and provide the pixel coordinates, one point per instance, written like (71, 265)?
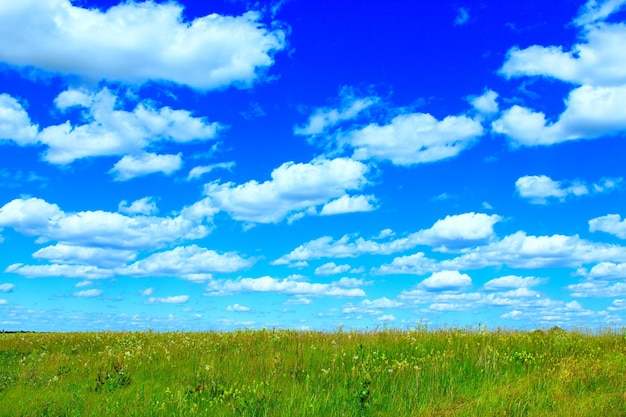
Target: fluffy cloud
(538, 189)
(189, 262)
(371, 306)
(88, 293)
(590, 112)
(15, 124)
(6, 287)
(452, 232)
(295, 189)
(146, 206)
(199, 171)
(611, 223)
(522, 251)
(597, 289)
(486, 104)
(349, 204)
(130, 166)
(111, 131)
(325, 118)
(331, 268)
(238, 308)
(511, 282)
(59, 270)
(446, 281)
(81, 255)
(605, 271)
(282, 286)
(136, 42)
(597, 106)
(36, 217)
(415, 264)
(176, 299)
(414, 138)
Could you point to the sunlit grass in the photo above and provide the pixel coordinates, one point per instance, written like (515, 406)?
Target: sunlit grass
(288, 373)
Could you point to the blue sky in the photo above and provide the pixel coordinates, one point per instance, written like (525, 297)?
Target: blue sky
(218, 165)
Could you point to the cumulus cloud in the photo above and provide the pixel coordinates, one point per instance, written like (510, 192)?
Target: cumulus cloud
(539, 188)
(111, 131)
(374, 307)
(525, 252)
(512, 282)
(189, 262)
(349, 204)
(325, 118)
(611, 223)
(131, 166)
(7, 287)
(590, 112)
(331, 268)
(597, 289)
(137, 42)
(446, 281)
(462, 16)
(37, 217)
(414, 138)
(176, 299)
(415, 264)
(199, 171)
(237, 308)
(597, 105)
(605, 271)
(486, 104)
(59, 270)
(295, 189)
(452, 232)
(281, 286)
(88, 293)
(146, 206)
(15, 124)
(81, 255)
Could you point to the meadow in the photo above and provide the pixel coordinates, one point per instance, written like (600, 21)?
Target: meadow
(418, 372)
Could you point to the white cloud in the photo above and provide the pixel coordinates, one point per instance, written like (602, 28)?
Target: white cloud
(176, 299)
(324, 118)
(81, 255)
(7, 287)
(349, 204)
(146, 206)
(36, 217)
(452, 232)
(462, 16)
(605, 271)
(512, 282)
(238, 308)
(486, 104)
(525, 252)
(130, 167)
(597, 289)
(138, 42)
(199, 171)
(331, 268)
(282, 286)
(57, 270)
(111, 131)
(147, 292)
(538, 189)
(83, 284)
(595, 10)
(374, 307)
(617, 305)
(413, 138)
(611, 223)
(446, 281)
(3, 301)
(387, 317)
(88, 293)
(295, 189)
(415, 264)
(590, 112)
(15, 124)
(188, 262)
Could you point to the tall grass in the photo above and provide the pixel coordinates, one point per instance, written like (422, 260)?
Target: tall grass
(289, 373)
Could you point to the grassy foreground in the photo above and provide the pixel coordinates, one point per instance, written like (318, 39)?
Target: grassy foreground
(287, 373)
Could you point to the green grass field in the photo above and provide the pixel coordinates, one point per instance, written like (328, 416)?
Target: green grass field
(287, 373)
